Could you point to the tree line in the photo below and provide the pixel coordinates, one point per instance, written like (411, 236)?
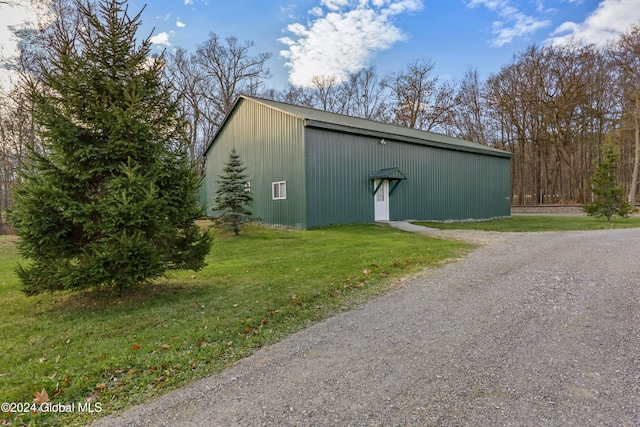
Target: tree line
(553, 106)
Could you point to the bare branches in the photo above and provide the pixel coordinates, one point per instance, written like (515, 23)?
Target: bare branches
(208, 81)
(230, 69)
(553, 106)
(626, 57)
(419, 100)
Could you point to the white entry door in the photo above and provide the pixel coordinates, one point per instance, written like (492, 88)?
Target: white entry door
(381, 200)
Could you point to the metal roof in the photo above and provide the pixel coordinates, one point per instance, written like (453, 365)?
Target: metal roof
(340, 122)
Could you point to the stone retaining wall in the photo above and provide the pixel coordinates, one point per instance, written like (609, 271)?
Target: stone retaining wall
(548, 209)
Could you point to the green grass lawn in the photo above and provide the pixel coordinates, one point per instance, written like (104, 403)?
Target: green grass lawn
(524, 223)
(258, 288)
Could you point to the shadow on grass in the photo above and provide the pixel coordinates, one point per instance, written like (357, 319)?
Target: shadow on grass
(113, 299)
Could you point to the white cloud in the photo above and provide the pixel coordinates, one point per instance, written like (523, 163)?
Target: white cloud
(610, 18)
(344, 40)
(335, 5)
(180, 24)
(288, 12)
(190, 2)
(398, 7)
(161, 39)
(317, 11)
(514, 23)
(520, 25)
(489, 4)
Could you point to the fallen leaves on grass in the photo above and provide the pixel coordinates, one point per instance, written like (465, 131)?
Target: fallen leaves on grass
(58, 391)
(41, 397)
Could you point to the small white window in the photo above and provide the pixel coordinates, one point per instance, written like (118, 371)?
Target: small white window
(279, 190)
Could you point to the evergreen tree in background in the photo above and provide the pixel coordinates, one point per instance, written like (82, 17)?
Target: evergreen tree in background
(110, 198)
(233, 195)
(608, 198)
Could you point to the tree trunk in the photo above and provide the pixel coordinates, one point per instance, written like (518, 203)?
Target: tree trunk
(636, 160)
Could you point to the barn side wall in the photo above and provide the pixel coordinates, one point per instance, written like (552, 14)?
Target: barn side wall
(441, 184)
(270, 143)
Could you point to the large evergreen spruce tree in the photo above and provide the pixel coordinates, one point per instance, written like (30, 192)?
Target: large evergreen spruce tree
(233, 196)
(110, 198)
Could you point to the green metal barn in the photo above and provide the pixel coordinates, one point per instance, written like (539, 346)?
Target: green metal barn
(309, 168)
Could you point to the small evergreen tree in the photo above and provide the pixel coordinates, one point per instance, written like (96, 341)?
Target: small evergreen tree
(110, 198)
(233, 195)
(608, 198)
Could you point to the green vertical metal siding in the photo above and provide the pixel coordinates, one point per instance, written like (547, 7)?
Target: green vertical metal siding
(441, 184)
(270, 143)
(338, 188)
(451, 185)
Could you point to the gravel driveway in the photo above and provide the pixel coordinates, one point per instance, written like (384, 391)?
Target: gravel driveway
(538, 329)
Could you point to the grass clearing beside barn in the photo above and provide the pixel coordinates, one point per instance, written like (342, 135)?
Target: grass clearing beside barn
(528, 223)
(257, 288)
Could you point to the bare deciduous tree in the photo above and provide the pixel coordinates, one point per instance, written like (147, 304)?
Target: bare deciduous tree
(230, 70)
(291, 95)
(360, 95)
(470, 111)
(367, 98)
(209, 80)
(509, 98)
(327, 94)
(419, 100)
(626, 56)
(189, 84)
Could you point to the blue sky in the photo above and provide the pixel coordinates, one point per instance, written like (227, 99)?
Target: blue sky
(334, 37)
